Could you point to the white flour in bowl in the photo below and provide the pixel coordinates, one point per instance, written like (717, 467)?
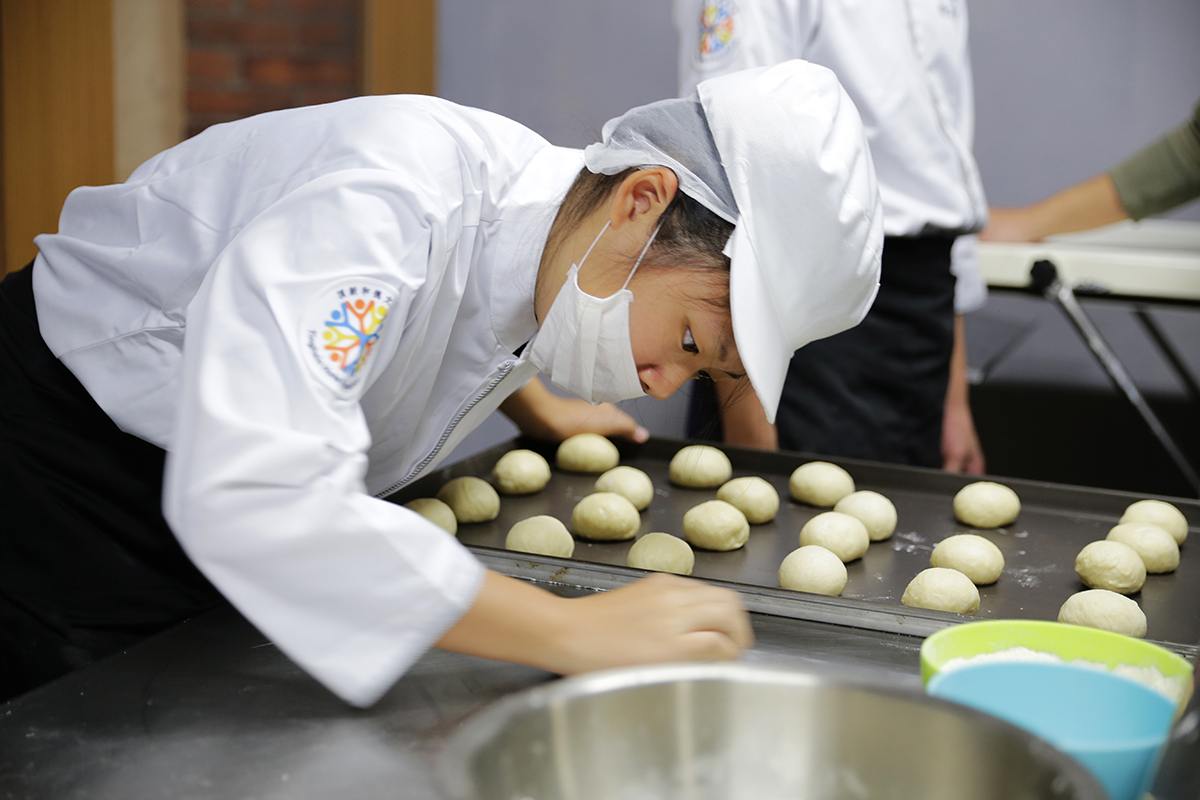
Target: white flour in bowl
(1150, 677)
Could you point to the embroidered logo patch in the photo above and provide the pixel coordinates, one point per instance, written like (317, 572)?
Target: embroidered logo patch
(341, 328)
(718, 29)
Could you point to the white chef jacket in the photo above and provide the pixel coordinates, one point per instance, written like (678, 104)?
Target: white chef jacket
(906, 66)
(305, 309)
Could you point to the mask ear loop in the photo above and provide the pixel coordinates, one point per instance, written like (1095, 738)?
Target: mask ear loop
(642, 255)
(592, 246)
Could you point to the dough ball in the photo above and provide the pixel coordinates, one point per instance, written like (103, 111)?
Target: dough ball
(1108, 611)
(942, 590)
(820, 484)
(435, 511)
(1156, 512)
(841, 533)
(814, 569)
(972, 555)
(587, 452)
(699, 466)
(1157, 548)
(543, 535)
(521, 472)
(629, 482)
(985, 504)
(1111, 565)
(716, 525)
(605, 516)
(662, 552)
(471, 499)
(754, 497)
(871, 509)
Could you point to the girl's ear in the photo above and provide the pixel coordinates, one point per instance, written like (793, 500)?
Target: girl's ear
(643, 195)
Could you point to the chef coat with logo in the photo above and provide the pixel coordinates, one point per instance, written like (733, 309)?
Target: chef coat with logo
(308, 309)
(905, 64)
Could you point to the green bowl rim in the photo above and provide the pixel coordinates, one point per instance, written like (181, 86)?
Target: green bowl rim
(1105, 647)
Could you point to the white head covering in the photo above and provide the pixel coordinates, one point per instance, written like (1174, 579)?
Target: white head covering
(780, 152)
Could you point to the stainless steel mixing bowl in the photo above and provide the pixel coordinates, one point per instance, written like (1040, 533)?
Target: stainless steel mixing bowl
(738, 732)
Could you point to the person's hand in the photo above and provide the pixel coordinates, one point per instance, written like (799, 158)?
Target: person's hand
(657, 619)
(1014, 224)
(541, 414)
(1085, 205)
(574, 416)
(961, 450)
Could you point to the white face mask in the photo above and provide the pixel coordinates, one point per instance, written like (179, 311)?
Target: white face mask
(584, 343)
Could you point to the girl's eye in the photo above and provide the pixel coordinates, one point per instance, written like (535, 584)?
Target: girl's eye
(689, 344)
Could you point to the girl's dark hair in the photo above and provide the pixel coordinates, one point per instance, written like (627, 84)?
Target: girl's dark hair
(691, 236)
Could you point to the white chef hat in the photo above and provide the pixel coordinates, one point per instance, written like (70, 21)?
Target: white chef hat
(781, 153)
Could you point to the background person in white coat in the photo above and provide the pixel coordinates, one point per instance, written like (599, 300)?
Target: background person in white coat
(894, 388)
(300, 312)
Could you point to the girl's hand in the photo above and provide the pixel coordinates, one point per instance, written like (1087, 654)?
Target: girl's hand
(541, 414)
(661, 618)
(657, 619)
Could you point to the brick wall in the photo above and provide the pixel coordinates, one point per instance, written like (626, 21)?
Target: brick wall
(250, 56)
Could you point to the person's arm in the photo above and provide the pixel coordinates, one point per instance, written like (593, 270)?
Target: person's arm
(661, 618)
(1157, 178)
(961, 449)
(541, 414)
(264, 482)
(1085, 205)
(743, 419)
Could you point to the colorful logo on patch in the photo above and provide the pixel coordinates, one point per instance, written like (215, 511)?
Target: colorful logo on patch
(351, 331)
(718, 24)
(342, 327)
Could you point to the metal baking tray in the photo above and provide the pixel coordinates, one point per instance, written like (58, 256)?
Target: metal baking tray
(1056, 521)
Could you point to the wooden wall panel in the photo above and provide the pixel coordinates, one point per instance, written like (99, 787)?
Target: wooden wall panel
(148, 80)
(57, 130)
(399, 49)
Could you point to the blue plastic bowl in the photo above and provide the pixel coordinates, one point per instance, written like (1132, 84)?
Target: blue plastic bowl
(1112, 725)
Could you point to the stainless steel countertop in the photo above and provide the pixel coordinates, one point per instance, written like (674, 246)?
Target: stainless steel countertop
(211, 709)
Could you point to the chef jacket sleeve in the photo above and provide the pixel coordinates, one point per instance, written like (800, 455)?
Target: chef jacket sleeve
(265, 484)
(970, 289)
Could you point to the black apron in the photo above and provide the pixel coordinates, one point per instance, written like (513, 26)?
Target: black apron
(88, 565)
(878, 390)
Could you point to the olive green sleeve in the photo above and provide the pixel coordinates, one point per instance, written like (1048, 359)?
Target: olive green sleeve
(1163, 175)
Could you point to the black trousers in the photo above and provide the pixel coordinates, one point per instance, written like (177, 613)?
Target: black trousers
(88, 565)
(878, 390)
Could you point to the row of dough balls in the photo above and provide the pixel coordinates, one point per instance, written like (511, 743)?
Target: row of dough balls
(611, 513)
(470, 499)
(982, 504)
(961, 563)
(827, 541)
(834, 538)
(843, 535)
(1146, 540)
(724, 524)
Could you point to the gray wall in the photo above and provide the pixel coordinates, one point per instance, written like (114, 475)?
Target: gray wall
(562, 67)
(1067, 88)
(1064, 88)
